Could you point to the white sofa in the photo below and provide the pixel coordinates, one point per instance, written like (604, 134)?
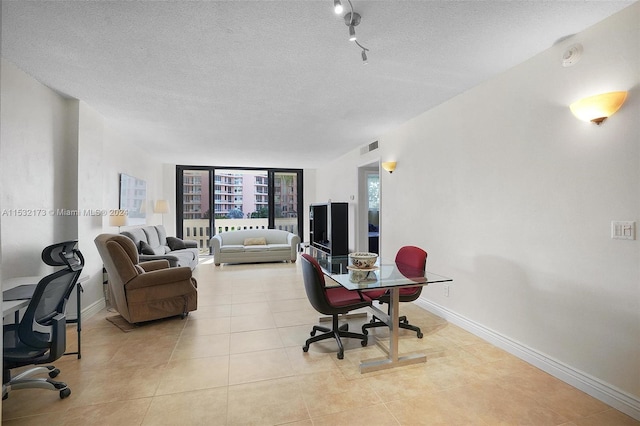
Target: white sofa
(246, 246)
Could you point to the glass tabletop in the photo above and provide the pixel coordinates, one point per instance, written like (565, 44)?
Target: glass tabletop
(383, 275)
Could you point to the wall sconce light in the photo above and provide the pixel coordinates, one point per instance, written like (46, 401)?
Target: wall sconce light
(389, 166)
(598, 108)
(118, 218)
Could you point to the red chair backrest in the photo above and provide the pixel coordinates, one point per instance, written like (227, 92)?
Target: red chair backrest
(314, 285)
(411, 261)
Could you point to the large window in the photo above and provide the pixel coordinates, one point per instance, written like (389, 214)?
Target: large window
(211, 200)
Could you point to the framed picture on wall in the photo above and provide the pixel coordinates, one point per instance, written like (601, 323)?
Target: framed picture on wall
(133, 198)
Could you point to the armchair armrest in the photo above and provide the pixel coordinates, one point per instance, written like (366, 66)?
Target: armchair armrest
(153, 265)
(173, 261)
(216, 243)
(160, 277)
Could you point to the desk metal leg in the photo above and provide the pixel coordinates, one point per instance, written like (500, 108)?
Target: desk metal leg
(393, 359)
(78, 320)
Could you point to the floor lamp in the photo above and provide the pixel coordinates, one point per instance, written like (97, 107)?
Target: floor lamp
(162, 207)
(118, 218)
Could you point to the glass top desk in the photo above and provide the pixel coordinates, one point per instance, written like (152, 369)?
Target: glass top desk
(388, 276)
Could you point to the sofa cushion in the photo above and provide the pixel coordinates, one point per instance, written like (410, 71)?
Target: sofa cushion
(136, 235)
(255, 241)
(145, 248)
(232, 248)
(175, 243)
(279, 247)
(255, 248)
(152, 236)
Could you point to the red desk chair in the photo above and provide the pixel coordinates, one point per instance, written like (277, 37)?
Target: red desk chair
(330, 301)
(410, 260)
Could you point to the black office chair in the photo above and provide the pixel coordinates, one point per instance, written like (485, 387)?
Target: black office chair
(410, 261)
(332, 301)
(40, 336)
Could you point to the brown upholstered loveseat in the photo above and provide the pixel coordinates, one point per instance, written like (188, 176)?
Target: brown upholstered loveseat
(145, 291)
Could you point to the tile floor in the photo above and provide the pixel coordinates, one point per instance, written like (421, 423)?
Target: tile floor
(237, 360)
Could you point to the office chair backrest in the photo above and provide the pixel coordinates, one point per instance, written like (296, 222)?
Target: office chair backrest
(314, 285)
(63, 254)
(50, 298)
(411, 261)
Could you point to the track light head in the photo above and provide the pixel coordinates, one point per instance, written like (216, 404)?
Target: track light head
(352, 33)
(337, 7)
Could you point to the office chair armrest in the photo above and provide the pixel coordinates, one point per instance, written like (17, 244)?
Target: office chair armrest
(154, 265)
(58, 336)
(160, 277)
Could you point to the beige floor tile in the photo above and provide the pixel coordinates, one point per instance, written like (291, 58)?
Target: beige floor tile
(119, 384)
(144, 351)
(201, 346)
(210, 311)
(258, 340)
(610, 417)
(238, 360)
(252, 322)
(208, 326)
(302, 316)
(193, 374)
(201, 407)
(121, 413)
(310, 362)
(243, 308)
(377, 415)
(255, 366)
(269, 402)
(432, 409)
(288, 304)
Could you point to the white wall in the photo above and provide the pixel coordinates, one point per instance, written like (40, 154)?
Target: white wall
(513, 198)
(35, 163)
(59, 153)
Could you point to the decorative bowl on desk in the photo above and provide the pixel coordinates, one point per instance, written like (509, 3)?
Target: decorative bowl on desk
(363, 260)
(362, 275)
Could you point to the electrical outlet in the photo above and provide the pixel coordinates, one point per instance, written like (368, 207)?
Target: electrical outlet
(446, 290)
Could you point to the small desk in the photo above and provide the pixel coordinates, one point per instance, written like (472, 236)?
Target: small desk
(14, 306)
(388, 276)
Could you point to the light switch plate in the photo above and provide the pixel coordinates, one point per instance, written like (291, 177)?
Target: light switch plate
(623, 230)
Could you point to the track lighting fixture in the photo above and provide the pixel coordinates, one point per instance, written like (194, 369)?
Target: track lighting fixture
(352, 33)
(364, 53)
(337, 7)
(351, 20)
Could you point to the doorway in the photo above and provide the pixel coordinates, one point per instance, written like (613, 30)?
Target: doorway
(369, 214)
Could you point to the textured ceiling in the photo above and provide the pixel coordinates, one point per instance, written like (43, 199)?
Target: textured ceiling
(274, 83)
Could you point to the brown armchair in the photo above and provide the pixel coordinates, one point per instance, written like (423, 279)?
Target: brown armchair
(145, 291)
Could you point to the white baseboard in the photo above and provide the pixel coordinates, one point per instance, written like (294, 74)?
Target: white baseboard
(93, 309)
(598, 389)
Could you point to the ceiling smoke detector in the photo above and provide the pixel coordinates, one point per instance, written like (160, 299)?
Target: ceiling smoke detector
(572, 55)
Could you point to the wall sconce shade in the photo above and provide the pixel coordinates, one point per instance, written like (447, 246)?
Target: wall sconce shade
(118, 218)
(389, 166)
(161, 206)
(598, 108)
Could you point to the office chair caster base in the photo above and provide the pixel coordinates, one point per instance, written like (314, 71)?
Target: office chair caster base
(305, 348)
(54, 372)
(340, 355)
(64, 393)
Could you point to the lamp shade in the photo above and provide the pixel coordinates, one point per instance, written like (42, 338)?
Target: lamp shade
(118, 218)
(598, 108)
(389, 166)
(161, 206)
